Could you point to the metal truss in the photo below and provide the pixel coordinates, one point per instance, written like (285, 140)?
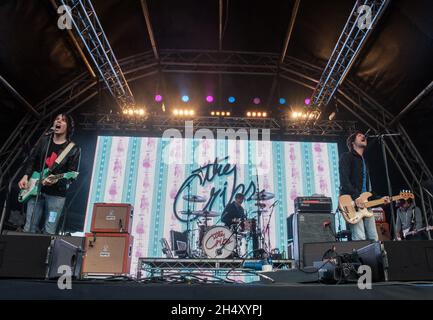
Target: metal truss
(157, 124)
(353, 37)
(89, 29)
(349, 96)
(161, 266)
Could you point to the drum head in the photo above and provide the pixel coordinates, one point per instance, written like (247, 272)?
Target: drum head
(218, 242)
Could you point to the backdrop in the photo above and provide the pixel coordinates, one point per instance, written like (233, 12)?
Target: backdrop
(153, 174)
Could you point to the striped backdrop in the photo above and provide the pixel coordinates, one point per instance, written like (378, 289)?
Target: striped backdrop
(149, 172)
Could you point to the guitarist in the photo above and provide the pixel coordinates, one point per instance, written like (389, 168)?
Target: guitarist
(408, 219)
(354, 180)
(48, 206)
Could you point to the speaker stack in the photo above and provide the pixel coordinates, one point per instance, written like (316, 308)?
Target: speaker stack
(109, 245)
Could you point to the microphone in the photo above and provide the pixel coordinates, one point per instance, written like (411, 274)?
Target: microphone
(50, 131)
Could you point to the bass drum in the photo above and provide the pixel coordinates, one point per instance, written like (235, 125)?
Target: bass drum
(218, 242)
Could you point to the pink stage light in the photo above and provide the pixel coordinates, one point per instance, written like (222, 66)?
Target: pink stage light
(307, 101)
(209, 99)
(158, 98)
(256, 100)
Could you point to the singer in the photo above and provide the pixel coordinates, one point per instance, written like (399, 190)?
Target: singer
(46, 208)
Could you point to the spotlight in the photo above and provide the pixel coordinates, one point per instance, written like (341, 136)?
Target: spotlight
(248, 114)
(307, 101)
(223, 114)
(209, 99)
(264, 114)
(185, 98)
(130, 112)
(232, 99)
(141, 112)
(191, 112)
(228, 114)
(125, 111)
(218, 113)
(212, 113)
(176, 112)
(254, 114)
(256, 100)
(158, 98)
(282, 101)
(259, 114)
(332, 116)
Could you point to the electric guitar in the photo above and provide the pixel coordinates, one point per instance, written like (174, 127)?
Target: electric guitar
(407, 232)
(353, 214)
(34, 183)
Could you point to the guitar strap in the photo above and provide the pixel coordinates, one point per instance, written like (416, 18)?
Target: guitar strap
(63, 155)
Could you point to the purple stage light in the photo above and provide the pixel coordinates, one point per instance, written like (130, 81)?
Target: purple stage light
(209, 99)
(256, 100)
(307, 101)
(158, 98)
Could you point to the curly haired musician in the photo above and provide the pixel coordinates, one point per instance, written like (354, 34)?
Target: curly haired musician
(48, 205)
(354, 180)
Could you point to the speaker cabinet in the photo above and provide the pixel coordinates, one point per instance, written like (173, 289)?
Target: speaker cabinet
(315, 251)
(112, 217)
(311, 227)
(107, 253)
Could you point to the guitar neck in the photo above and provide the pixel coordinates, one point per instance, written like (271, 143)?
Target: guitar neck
(378, 202)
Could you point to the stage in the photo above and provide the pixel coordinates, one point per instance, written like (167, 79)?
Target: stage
(129, 290)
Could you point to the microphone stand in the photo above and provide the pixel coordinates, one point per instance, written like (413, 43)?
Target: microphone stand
(382, 141)
(268, 224)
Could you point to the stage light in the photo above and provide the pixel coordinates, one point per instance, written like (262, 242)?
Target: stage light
(264, 114)
(248, 114)
(223, 114)
(209, 99)
(332, 116)
(218, 113)
(259, 114)
(191, 112)
(125, 111)
(256, 100)
(212, 113)
(228, 114)
(130, 112)
(176, 112)
(232, 99)
(158, 98)
(307, 101)
(254, 114)
(282, 101)
(185, 98)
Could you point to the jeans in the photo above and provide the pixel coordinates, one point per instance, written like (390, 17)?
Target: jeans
(364, 230)
(49, 208)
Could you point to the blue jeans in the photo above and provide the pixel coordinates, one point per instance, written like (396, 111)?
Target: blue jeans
(364, 230)
(48, 208)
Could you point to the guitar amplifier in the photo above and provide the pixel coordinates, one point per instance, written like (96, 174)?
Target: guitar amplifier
(107, 254)
(313, 204)
(379, 215)
(383, 231)
(308, 227)
(112, 217)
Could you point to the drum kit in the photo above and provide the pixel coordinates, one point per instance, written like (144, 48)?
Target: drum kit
(220, 242)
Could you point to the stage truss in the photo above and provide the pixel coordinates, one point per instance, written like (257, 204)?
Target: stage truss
(160, 267)
(349, 96)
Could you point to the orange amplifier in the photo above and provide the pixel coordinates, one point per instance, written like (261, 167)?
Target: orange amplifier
(379, 215)
(112, 217)
(107, 254)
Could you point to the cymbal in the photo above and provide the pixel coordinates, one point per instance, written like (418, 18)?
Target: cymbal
(206, 214)
(262, 196)
(194, 198)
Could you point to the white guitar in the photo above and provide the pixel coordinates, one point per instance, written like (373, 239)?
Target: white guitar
(353, 214)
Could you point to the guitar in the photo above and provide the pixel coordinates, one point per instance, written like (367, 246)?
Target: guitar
(33, 183)
(406, 232)
(353, 215)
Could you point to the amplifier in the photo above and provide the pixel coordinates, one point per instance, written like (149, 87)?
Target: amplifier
(383, 231)
(308, 227)
(313, 204)
(379, 215)
(107, 254)
(112, 217)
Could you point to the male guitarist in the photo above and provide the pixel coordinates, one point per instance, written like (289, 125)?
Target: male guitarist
(48, 205)
(354, 180)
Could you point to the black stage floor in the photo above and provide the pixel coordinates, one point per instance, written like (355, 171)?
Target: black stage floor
(121, 290)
